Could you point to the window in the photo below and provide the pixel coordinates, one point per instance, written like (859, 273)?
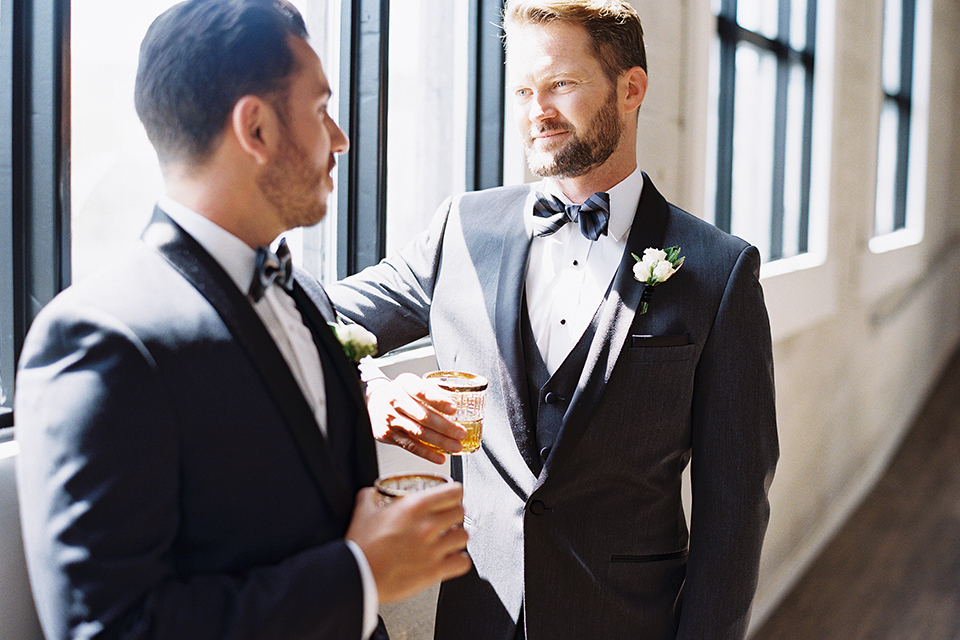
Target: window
(895, 154)
(761, 123)
(78, 178)
(34, 204)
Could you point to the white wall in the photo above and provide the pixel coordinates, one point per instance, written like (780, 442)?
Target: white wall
(858, 346)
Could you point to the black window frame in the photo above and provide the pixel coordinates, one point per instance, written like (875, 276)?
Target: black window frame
(731, 34)
(34, 167)
(35, 148)
(362, 203)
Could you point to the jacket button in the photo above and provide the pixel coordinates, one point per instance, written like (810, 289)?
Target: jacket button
(537, 508)
(550, 398)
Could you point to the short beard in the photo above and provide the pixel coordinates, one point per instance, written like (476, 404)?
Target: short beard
(291, 185)
(581, 154)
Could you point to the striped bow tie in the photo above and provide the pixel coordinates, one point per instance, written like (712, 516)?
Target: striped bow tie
(593, 215)
(272, 267)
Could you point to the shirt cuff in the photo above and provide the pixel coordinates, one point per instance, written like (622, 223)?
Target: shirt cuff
(371, 601)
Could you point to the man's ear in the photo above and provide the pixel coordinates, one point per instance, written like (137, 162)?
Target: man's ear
(254, 125)
(633, 86)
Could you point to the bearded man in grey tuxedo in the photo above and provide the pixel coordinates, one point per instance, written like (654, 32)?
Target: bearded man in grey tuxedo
(601, 388)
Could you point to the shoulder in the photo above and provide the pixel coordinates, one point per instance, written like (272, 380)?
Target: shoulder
(497, 198)
(137, 296)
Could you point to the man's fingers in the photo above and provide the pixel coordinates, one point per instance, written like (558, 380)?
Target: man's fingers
(414, 446)
(443, 434)
(428, 393)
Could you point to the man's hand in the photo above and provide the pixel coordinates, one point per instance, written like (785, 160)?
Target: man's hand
(414, 541)
(409, 411)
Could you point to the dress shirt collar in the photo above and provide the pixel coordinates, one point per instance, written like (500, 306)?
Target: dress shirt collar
(233, 254)
(624, 198)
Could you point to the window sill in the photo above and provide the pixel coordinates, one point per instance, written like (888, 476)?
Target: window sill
(895, 261)
(799, 292)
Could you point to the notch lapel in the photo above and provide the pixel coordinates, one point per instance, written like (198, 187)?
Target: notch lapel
(616, 317)
(200, 269)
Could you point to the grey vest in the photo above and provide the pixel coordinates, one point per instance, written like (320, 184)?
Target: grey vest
(549, 396)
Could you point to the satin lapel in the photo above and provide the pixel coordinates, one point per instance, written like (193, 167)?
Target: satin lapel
(616, 317)
(513, 268)
(317, 314)
(200, 269)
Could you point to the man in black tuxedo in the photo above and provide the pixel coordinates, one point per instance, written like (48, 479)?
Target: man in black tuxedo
(196, 453)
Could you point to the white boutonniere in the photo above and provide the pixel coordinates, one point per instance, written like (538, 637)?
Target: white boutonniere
(356, 341)
(655, 267)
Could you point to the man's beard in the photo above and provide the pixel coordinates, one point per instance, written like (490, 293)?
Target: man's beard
(291, 184)
(583, 153)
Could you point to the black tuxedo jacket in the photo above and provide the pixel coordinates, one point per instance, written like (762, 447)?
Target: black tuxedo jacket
(173, 480)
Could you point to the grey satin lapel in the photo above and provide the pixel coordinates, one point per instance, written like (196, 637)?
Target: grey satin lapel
(513, 268)
(617, 315)
(196, 265)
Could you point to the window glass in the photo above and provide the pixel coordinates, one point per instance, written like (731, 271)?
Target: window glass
(892, 42)
(752, 145)
(426, 113)
(759, 16)
(887, 169)
(115, 177)
(900, 138)
(760, 125)
(798, 24)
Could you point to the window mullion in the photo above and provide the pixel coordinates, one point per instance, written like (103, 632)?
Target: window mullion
(727, 27)
(485, 127)
(362, 203)
(34, 179)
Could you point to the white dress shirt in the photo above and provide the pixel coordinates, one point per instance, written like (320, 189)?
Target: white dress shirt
(568, 274)
(279, 314)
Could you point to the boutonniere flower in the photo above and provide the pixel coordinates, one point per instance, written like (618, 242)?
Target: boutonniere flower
(356, 341)
(655, 267)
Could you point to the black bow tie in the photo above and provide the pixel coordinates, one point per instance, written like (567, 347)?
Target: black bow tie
(272, 267)
(550, 214)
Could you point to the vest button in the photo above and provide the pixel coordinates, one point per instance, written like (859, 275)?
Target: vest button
(550, 398)
(537, 508)
(544, 454)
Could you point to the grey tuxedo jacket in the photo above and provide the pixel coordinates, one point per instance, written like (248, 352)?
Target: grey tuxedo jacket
(595, 544)
(173, 480)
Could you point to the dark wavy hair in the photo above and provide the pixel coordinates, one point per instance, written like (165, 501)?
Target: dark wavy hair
(613, 25)
(199, 58)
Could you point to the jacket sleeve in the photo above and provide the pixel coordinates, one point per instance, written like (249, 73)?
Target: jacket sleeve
(98, 476)
(392, 299)
(734, 454)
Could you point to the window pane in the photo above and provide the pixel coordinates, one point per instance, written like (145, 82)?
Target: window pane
(887, 168)
(798, 24)
(427, 112)
(752, 145)
(115, 177)
(793, 170)
(892, 42)
(761, 16)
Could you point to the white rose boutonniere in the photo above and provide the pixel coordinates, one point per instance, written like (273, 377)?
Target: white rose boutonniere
(356, 341)
(656, 266)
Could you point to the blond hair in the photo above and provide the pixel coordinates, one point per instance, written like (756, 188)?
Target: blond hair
(614, 27)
